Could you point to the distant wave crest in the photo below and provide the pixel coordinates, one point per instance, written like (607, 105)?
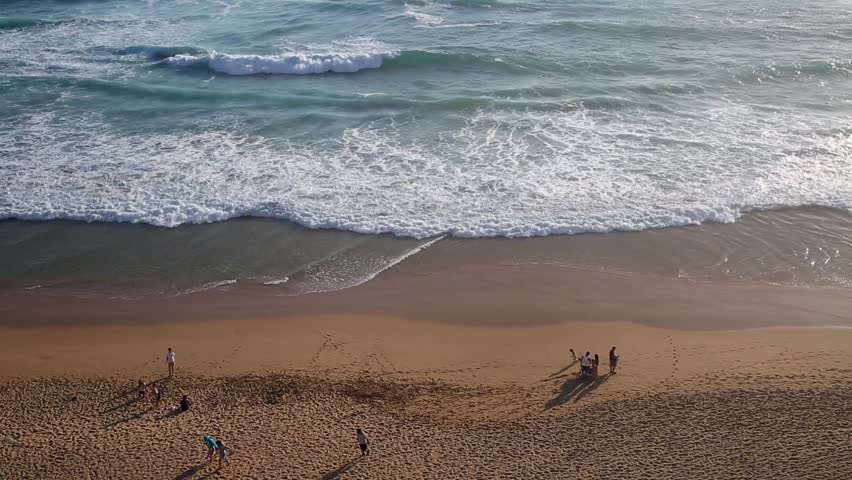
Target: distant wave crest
(285, 63)
(315, 63)
(153, 52)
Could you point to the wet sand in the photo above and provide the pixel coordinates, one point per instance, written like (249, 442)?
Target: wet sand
(508, 295)
(801, 247)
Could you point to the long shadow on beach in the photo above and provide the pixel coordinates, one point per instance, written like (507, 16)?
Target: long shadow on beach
(130, 402)
(131, 390)
(339, 471)
(560, 372)
(172, 412)
(133, 399)
(575, 389)
(191, 472)
(129, 417)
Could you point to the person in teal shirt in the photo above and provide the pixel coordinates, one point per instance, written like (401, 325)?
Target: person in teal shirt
(211, 446)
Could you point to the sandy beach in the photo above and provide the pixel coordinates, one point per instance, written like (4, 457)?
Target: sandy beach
(442, 393)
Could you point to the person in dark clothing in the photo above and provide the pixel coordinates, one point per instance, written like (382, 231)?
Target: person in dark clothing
(613, 360)
(223, 453)
(595, 364)
(158, 395)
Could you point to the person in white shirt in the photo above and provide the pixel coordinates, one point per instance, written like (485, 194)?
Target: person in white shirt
(586, 364)
(363, 441)
(170, 361)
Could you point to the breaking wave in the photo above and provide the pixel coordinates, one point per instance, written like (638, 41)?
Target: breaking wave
(341, 57)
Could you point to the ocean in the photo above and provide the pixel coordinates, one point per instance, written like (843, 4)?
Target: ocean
(268, 141)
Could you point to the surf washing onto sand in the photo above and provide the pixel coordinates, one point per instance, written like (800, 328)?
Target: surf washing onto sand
(423, 119)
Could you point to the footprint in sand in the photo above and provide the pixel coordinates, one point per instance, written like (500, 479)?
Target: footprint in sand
(674, 355)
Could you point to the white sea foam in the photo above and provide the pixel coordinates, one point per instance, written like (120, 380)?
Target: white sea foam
(341, 57)
(204, 287)
(429, 16)
(397, 260)
(351, 267)
(498, 173)
(466, 25)
(423, 18)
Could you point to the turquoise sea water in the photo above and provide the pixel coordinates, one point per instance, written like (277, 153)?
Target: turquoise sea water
(420, 118)
(468, 118)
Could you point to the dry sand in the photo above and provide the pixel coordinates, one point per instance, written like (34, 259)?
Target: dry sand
(440, 401)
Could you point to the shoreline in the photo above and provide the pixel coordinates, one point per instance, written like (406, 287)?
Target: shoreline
(520, 295)
(795, 247)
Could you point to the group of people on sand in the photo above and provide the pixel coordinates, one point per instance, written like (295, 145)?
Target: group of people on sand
(217, 447)
(588, 368)
(156, 390)
(589, 364)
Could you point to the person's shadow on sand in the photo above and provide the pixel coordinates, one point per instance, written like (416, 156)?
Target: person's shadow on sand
(339, 471)
(576, 389)
(128, 418)
(172, 412)
(561, 373)
(192, 471)
(126, 404)
(124, 392)
(565, 368)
